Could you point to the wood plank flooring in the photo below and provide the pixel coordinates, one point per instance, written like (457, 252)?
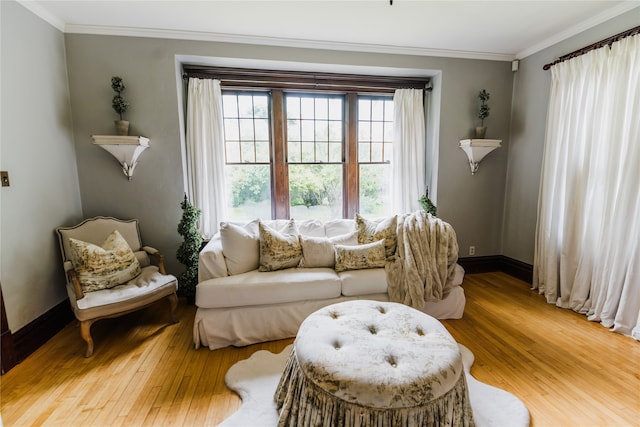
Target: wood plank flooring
(146, 372)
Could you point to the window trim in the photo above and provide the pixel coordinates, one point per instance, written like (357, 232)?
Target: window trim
(279, 82)
(304, 81)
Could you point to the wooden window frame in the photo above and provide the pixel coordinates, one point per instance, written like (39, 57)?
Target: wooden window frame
(279, 82)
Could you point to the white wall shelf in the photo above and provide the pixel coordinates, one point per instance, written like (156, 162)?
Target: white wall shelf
(126, 149)
(477, 149)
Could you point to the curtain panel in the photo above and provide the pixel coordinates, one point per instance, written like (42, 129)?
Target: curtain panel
(409, 150)
(587, 255)
(205, 153)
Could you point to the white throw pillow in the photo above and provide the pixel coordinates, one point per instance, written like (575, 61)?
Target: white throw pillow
(320, 251)
(371, 255)
(279, 249)
(240, 246)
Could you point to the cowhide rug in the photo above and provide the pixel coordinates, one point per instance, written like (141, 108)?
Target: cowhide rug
(255, 380)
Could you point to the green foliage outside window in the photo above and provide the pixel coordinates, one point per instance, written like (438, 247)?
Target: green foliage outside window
(313, 185)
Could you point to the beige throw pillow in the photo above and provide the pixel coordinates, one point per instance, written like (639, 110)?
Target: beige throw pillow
(240, 246)
(320, 251)
(279, 249)
(106, 266)
(370, 255)
(372, 231)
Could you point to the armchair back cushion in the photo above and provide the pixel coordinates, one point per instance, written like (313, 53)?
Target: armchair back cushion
(96, 231)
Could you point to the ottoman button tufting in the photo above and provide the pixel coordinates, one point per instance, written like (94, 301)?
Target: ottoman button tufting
(323, 386)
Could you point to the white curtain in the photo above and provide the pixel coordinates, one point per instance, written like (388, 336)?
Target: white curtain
(205, 152)
(408, 162)
(587, 255)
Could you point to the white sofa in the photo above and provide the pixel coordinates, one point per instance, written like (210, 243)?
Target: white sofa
(239, 305)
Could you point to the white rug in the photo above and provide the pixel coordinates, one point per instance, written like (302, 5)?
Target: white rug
(256, 378)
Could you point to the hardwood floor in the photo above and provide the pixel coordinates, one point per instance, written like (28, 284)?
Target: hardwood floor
(145, 371)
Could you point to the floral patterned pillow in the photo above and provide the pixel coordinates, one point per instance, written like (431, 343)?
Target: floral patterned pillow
(106, 266)
(279, 249)
(372, 231)
(370, 255)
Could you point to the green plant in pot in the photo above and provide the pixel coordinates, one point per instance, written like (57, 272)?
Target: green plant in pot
(483, 113)
(188, 251)
(427, 204)
(119, 105)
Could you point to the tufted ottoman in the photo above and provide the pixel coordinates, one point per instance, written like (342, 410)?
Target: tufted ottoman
(369, 363)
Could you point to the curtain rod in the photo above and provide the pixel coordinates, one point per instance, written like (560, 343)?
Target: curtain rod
(597, 45)
(304, 80)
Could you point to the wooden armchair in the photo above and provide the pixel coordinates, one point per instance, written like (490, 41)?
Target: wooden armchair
(94, 294)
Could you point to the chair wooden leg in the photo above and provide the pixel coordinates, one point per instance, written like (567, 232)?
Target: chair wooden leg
(85, 333)
(173, 300)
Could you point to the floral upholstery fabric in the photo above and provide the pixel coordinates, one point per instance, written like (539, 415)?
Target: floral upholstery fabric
(279, 249)
(370, 255)
(106, 266)
(368, 363)
(371, 231)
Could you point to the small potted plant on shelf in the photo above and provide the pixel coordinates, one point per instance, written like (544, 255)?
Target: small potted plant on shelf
(483, 113)
(119, 105)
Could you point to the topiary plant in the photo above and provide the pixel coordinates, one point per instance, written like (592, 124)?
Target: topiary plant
(118, 103)
(483, 112)
(188, 251)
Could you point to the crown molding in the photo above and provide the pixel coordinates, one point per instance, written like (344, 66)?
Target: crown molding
(44, 14)
(283, 42)
(580, 27)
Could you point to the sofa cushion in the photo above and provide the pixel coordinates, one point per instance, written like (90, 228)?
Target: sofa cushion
(274, 287)
(374, 230)
(240, 246)
(338, 227)
(105, 266)
(363, 282)
(320, 251)
(358, 257)
(310, 227)
(279, 249)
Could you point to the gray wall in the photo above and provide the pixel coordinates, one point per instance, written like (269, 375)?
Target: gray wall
(529, 113)
(37, 150)
(472, 204)
(56, 182)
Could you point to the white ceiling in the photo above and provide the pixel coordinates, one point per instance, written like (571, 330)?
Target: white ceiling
(497, 30)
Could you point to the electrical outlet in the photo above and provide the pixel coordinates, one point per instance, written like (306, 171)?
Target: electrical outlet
(472, 250)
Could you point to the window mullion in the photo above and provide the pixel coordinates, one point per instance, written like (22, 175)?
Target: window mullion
(280, 173)
(351, 176)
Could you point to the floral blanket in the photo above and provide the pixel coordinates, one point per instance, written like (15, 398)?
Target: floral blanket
(424, 261)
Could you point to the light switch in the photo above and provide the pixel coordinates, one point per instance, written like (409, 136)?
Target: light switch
(4, 177)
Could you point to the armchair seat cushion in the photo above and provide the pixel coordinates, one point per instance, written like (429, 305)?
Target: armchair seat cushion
(147, 283)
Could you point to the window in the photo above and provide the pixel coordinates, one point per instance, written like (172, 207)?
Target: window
(306, 145)
(316, 154)
(247, 133)
(375, 136)
(315, 141)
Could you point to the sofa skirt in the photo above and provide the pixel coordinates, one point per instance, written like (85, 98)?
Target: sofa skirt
(240, 326)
